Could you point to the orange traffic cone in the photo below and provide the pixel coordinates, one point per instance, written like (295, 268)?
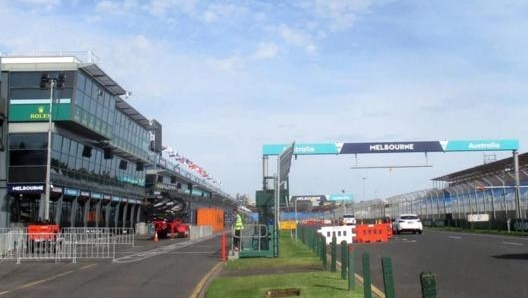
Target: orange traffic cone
(156, 236)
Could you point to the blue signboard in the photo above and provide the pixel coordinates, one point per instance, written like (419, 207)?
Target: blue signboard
(480, 145)
(72, 192)
(391, 147)
(23, 188)
(341, 197)
(394, 147)
(303, 149)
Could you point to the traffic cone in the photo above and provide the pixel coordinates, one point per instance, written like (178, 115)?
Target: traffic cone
(155, 237)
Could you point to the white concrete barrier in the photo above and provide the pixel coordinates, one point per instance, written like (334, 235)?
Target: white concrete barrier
(346, 233)
(198, 232)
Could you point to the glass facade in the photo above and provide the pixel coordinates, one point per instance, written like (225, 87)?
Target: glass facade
(100, 151)
(79, 166)
(94, 107)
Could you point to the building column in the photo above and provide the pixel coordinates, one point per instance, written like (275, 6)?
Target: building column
(58, 211)
(116, 215)
(73, 215)
(86, 210)
(98, 213)
(132, 211)
(125, 210)
(107, 214)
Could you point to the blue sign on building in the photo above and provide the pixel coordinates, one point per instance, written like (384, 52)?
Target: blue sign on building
(341, 197)
(480, 145)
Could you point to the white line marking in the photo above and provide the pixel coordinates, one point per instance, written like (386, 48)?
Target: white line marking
(31, 284)
(454, 237)
(513, 243)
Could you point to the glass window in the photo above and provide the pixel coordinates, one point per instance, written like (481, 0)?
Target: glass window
(27, 157)
(88, 87)
(81, 80)
(57, 142)
(28, 141)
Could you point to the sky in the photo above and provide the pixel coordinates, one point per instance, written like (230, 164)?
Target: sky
(226, 77)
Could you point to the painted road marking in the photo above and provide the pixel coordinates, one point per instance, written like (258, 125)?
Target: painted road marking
(454, 237)
(31, 284)
(513, 243)
(34, 283)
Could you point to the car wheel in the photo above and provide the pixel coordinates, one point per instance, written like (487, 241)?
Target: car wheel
(420, 232)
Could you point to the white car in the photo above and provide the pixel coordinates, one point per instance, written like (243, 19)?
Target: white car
(349, 220)
(407, 223)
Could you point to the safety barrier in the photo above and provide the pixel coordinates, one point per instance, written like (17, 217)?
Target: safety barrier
(22, 246)
(390, 232)
(87, 246)
(254, 237)
(122, 236)
(371, 233)
(201, 231)
(346, 233)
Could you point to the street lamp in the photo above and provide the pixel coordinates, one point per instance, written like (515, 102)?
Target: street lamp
(364, 178)
(47, 82)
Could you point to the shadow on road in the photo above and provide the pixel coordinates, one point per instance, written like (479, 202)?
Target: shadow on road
(513, 256)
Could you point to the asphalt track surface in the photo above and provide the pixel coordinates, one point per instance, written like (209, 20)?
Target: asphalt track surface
(168, 268)
(466, 265)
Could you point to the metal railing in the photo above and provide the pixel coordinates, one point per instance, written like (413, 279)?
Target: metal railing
(253, 237)
(121, 235)
(21, 246)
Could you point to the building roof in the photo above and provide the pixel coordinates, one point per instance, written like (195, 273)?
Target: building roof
(485, 170)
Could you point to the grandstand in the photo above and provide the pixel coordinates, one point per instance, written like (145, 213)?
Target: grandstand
(491, 189)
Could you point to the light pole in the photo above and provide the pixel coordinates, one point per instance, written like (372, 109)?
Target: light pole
(45, 81)
(364, 195)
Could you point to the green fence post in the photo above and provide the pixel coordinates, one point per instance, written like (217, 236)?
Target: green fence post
(333, 254)
(428, 281)
(367, 290)
(351, 269)
(323, 253)
(344, 259)
(388, 277)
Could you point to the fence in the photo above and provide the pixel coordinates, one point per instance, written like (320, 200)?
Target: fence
(121, 235)
(20, 246)
(254, 237)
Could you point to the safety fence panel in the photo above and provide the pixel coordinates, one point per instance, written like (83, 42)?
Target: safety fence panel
(8, 244)
(87, 246)
(122, 236)
(17, 246)
(371, 233)
(254, 237)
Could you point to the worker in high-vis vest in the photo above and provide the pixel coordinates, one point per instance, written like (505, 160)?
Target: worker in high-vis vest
(238, 226)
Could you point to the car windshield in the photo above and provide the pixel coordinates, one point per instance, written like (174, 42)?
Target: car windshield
(409, 217)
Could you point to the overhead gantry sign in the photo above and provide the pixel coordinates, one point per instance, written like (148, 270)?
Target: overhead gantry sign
(393, 147)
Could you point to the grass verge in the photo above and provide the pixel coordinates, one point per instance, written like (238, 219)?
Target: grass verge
(296, 267)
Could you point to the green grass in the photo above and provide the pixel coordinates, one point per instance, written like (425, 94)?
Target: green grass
(296, 267)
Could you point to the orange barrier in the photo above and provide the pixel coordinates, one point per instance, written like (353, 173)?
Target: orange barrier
(371, 233)
(390, 232)
(213, 217)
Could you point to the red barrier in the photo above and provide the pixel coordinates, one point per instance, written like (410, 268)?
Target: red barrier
(390, 232)
(371, 233)
(223, 255)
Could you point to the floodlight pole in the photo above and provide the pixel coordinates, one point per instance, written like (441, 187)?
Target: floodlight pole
(518, 211)
(47, 190)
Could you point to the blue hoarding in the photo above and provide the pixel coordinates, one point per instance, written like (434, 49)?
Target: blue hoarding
(340, 197)
(480, 145)
(394, 147)
(391, 147)
(303, 149)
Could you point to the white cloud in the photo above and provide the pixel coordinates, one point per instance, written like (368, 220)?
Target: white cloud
(41, 4)
(266, 50)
